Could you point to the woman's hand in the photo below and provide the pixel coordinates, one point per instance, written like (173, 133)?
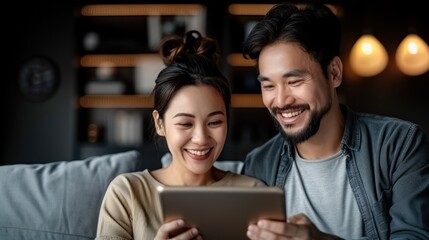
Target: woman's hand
(297, 227)
(177, 230)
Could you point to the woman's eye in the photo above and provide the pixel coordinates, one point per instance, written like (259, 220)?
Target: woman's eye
(184, 124)
(215, 123)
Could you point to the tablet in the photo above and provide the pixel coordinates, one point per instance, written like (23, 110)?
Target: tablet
(222, 212)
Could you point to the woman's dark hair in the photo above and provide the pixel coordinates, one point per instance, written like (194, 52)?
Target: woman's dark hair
(314, 27)
(191, 60)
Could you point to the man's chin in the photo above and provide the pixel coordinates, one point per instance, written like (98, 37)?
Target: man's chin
(294, 136)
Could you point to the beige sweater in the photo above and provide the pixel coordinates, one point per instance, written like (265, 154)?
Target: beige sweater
(131, 208)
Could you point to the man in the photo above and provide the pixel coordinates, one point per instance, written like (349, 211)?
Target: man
(345, 174)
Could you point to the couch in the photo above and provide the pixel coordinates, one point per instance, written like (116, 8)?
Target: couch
(61, 200)
(58, 200)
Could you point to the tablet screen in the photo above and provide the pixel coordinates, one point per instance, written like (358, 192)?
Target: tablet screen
(222, 212)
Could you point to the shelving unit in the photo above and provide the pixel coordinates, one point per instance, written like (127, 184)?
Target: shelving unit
(118, 62)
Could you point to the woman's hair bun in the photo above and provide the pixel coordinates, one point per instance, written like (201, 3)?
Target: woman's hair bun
(175, 47)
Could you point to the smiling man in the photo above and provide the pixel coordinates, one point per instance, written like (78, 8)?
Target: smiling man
(345, 174)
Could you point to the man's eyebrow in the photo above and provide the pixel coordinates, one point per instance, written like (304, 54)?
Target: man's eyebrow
(293, 73)
(261, 78)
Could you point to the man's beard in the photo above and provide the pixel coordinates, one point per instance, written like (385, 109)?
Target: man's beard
(308, 131)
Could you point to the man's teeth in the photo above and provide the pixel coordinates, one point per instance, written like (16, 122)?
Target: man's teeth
(290, 114)
(199, 153)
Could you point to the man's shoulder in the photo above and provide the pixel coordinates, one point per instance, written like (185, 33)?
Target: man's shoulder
(377, 119)
(362, 126)
(375, 123)
(382, 122)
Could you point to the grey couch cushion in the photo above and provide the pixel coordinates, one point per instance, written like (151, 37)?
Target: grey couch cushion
(58, 200)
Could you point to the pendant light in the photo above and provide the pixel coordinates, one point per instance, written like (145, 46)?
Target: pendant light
(412, 55)
(368, 57)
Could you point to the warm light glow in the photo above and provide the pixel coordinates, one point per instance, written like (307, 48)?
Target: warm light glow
(368, 57)
(412, 55)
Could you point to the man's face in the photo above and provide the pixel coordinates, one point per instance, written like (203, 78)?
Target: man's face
(294, 89)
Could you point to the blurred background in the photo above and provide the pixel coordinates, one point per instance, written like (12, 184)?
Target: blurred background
(78, 74)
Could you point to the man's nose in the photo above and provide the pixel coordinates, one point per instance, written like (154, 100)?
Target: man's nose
(284, 97)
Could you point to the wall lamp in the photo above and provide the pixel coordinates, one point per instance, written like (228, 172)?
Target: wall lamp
(368, 57)
(412, 55)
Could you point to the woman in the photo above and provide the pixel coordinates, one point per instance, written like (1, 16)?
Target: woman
(191, 110)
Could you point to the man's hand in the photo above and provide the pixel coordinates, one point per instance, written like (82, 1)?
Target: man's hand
(297, 227)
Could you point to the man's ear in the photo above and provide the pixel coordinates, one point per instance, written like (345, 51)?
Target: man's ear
(336, 72)
(158, 123)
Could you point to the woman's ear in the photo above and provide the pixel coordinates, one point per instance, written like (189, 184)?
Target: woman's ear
(336, 72)
(158, 123)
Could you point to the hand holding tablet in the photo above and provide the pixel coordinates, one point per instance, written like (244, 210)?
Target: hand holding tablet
(222, 212)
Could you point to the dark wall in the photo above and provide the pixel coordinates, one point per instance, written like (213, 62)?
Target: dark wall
(38, 131)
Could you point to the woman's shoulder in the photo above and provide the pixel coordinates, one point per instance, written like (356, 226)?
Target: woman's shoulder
(134, 185)
(133, 179)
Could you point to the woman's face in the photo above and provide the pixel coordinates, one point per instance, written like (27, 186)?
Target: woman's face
(195, 128)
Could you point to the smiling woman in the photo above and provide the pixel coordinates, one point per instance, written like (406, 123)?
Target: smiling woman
(191, 110)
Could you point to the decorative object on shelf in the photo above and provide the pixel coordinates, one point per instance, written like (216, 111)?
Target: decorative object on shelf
(95, 133)
(38, 79)
(412, 55)
(145, 73)
(368, 57)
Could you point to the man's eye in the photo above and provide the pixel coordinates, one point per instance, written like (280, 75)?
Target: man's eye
(295, 82)
(267, 87)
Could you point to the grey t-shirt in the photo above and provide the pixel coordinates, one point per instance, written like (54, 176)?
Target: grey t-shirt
(321, 190)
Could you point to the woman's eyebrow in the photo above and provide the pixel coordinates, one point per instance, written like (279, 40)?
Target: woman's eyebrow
(190, 115)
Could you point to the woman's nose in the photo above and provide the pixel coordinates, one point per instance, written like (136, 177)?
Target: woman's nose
(200, 135)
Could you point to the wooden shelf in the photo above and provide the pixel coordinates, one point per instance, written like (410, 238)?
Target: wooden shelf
(116, 60)
(144, 101)
(249, 9)
(132, 60)
(247, 101)
(142, 9)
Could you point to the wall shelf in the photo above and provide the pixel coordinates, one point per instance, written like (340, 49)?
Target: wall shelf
(143, 101)
(132, 60)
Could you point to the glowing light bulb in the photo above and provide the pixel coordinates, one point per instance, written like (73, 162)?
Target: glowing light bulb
(368, 57)
(412, 55)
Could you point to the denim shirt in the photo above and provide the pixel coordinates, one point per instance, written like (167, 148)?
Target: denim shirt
(387, 166)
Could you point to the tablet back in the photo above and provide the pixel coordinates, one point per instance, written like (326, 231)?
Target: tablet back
(222, 212)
